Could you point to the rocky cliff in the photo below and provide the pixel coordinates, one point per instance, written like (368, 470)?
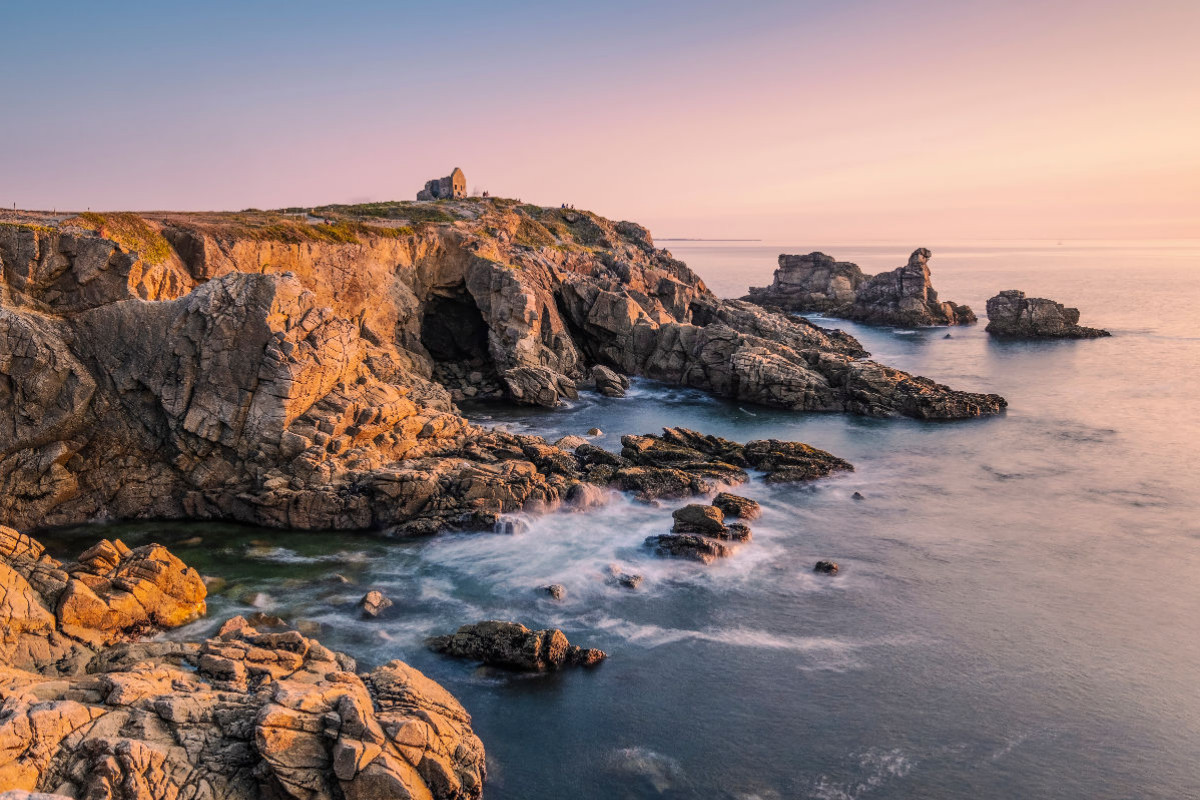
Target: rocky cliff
(903, 296)
(87, 709)
(1013, 315)
(301, 369)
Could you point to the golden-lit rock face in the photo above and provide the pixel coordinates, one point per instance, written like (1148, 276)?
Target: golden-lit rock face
(87, 710)
(301, 370)
(60, 614)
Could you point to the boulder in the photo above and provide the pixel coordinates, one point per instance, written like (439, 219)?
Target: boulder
(608, 382)
(733, 505)
(555, 590)
(692, 546)
(373, 603)
(696, 518)
(826, 567)
(513, 646)
(1012, 315)
(624, 579)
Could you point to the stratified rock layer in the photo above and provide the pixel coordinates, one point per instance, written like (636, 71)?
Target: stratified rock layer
(904, 296)
(1013, 315)
(244, 715)
(256, 368)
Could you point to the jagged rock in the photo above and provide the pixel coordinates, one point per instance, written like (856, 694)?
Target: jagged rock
(688, 545)
(736, 532)
(1012, 315)
(595, 432)
(696, 518)
(555, 590)
(608, 382)
(253, 373)
(60, 614)
(857, 496)
(513, 646)
(826, 567)
(733, 505)
(243, 715)
(903, 296)
(715, 461)
(584, 496)
(627, 580)
(570, 442)
(373, 603)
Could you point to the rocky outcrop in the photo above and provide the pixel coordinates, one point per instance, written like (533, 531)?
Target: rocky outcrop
(288, 373)
(513, 646)
(733, 505)
(57, 616)
(693, 546)
(904, 296)
(1012, 315)
(86, 711)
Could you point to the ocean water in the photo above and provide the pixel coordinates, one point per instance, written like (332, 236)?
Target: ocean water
(1017, 616)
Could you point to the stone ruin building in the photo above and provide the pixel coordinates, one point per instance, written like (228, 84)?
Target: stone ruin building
(453, 186)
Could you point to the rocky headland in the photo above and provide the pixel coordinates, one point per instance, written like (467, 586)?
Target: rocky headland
(301, 369)
(903, 296)
(88, 708)
(1012, 315)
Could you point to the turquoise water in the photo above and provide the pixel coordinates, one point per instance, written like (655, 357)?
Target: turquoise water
(1017, 610)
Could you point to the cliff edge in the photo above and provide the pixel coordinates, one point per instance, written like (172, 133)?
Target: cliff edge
(301, 368)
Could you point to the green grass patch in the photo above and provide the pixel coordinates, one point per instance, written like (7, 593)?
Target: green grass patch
(131, 232)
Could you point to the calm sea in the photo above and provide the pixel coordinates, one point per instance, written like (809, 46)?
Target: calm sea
(1018, 613)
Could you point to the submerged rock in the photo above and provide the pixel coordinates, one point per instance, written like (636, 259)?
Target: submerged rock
(373, 603)
(513, 646)
(619, 577)
(694, 546)
(698, 518)
(733, 505)
(556, 591)
(1012, 315)
(608, 382)
(904, 296)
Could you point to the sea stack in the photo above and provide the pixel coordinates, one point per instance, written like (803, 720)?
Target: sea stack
(903, 296)
(1012, 315)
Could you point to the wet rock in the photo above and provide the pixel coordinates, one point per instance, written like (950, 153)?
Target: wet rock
(608, 382)
(555, 590)
(570, 442)
(698, 518)
(736, 532)
(904, 296)
(1012, 315)
(373, 603)
(733, 505)
(857, 496)
(619, 577)
(585, 496)
(513, 646)
(826, 567)
(688, 545)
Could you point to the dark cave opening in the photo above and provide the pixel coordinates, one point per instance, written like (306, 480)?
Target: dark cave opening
(453, 329)
(454, 333)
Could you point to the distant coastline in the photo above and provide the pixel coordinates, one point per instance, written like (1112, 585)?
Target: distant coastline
(694, 239)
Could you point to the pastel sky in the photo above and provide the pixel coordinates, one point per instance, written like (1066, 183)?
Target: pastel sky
(838, 119)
